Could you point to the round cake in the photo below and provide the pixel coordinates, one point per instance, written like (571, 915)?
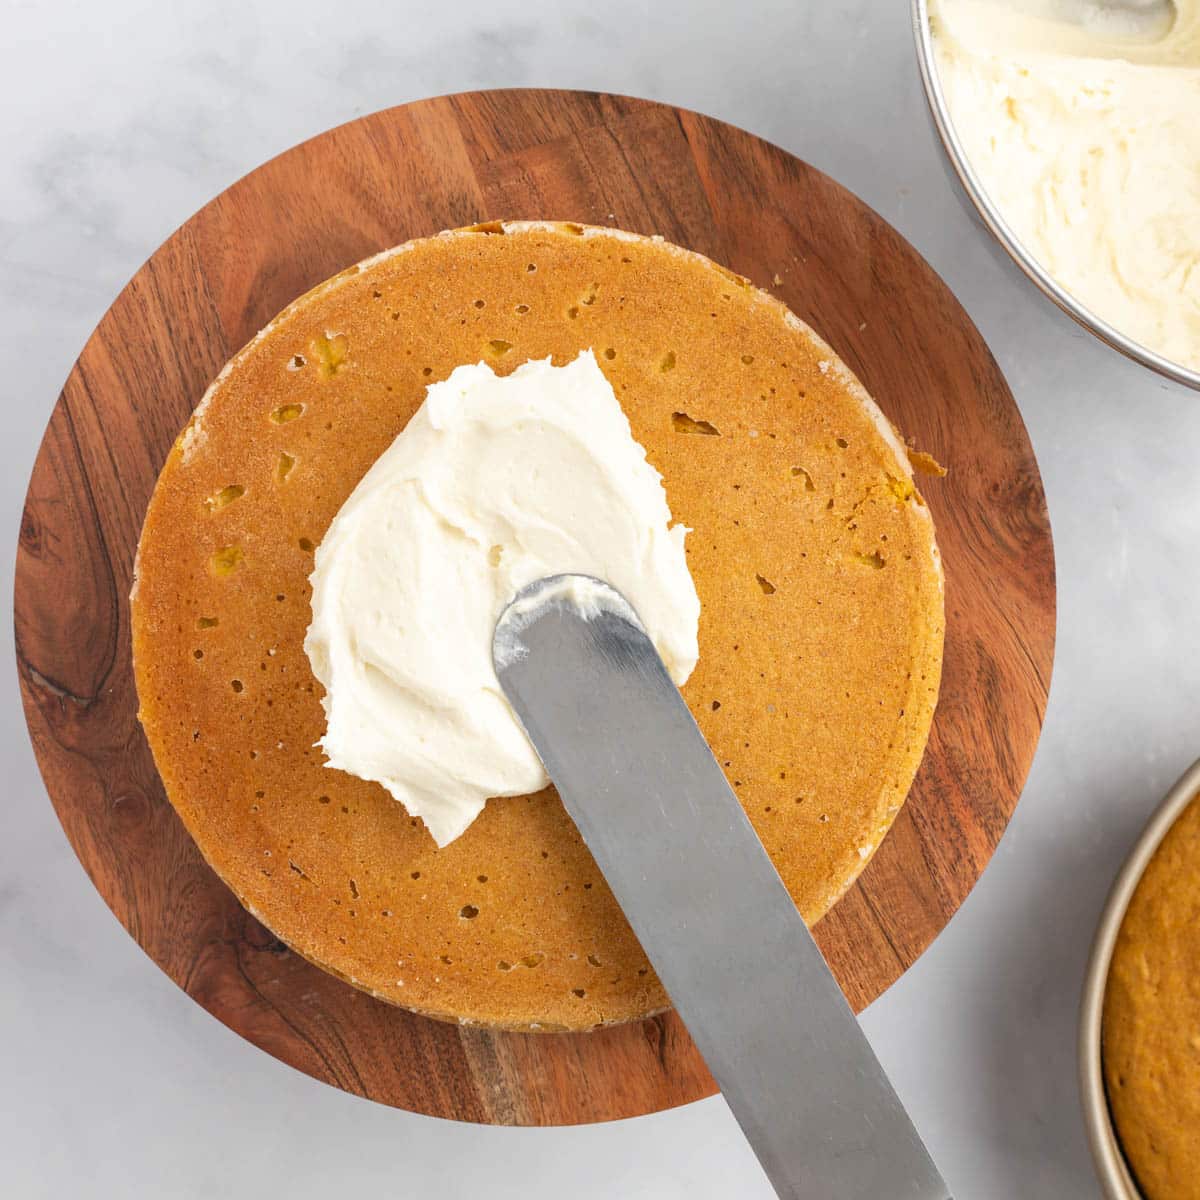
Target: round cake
(812, 552)
(1151, 1026)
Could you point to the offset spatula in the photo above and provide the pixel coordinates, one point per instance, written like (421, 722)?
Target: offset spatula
(702, 896)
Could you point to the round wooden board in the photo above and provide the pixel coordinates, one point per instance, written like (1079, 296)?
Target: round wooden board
(415, 170)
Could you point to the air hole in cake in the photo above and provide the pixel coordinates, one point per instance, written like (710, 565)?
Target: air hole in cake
(610, 353)
(874, 560)
(682, 423)
(522, 309)
(593, 960)
(747, 359)
(593, 292)
(225, 561)
(504, 966)
(415, 875)
(331, 350)
(283, 468)
(572, 312)
(206, 622)
(324, 800)
(531, 267)
(237, 685)
(578, 992)
(306, 545)
(197, 654)
(532, 960)
(668, 362)
(482, 878)
(286, 412)
(767, 586)
(716, 704)
(842, 443)
(353, 889)
(468, 912)
(296, 362)
(479, 304)
(226, 496)
(499, 347)
(426, 371)
(801, 473)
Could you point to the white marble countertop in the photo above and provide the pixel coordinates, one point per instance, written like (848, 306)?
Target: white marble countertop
(124, 117)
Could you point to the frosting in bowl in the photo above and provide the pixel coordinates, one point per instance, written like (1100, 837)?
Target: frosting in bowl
(1086, 139)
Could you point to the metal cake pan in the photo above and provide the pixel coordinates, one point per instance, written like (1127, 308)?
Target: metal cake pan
(1115, 1175)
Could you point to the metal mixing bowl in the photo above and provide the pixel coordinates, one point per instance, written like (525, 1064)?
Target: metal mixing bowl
(991, 217)
(1114, 1175)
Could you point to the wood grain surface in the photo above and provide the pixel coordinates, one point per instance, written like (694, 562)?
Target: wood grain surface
(414, 170)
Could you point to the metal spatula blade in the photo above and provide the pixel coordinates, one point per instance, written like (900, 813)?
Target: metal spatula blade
(702, 896)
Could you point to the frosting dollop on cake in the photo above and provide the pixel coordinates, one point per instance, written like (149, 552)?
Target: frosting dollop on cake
(494, 483)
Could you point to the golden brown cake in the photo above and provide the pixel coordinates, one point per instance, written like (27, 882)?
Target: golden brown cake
(1151, 1030)
(813, 555)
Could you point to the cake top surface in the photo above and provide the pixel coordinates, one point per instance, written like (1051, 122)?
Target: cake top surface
(813, 556)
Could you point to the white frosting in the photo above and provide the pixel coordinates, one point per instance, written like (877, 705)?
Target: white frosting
(1086, 138)
(495, 482)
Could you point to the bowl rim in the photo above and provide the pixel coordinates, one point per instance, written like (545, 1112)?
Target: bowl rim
(1114, 1173)
(1000, 229)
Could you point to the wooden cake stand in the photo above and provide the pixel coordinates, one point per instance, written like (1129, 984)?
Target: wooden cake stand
(415, 170)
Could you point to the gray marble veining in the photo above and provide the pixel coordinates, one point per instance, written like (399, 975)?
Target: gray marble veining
(127, 115)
